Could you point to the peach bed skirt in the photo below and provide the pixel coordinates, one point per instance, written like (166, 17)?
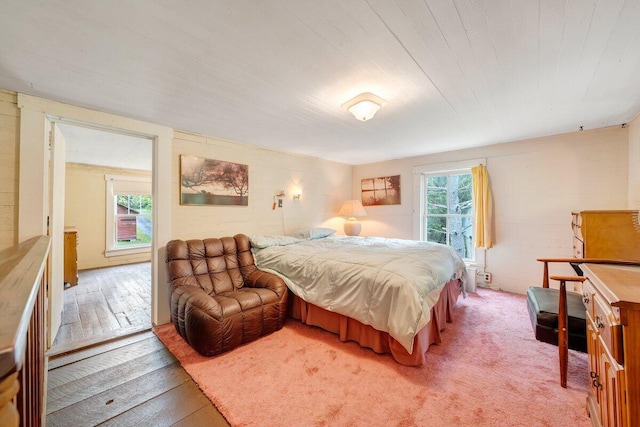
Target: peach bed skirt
(352, 330)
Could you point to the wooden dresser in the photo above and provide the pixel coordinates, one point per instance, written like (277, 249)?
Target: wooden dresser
(71, 255)
(611, 234)
(611, 295)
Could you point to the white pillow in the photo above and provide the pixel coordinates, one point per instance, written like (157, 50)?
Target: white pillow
(313, 233)
(262, 242)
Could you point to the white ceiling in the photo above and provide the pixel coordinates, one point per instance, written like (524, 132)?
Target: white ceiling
(97, 147)
(455, 74)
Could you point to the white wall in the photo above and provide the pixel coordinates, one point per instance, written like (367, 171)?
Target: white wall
(85, 208)
(634, 163)
(324, 184)
(536, 184)
(9, 165)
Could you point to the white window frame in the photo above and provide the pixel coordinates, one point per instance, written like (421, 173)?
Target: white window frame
(419, 180)
(141, 185)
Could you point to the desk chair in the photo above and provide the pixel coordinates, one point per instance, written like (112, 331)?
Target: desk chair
(558, 316)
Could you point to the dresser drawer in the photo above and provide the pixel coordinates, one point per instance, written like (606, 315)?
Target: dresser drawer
(607, 322)
(588, 295)
(613, 343)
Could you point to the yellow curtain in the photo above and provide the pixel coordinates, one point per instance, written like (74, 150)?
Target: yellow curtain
(482, 208)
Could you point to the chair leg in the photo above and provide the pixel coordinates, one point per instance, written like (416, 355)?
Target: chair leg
(563, 336)
(545, 275)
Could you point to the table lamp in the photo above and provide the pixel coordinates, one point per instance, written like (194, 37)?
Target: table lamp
(352, 209)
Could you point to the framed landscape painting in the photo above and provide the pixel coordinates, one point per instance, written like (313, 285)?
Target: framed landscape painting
(384, 190)
(213, 182)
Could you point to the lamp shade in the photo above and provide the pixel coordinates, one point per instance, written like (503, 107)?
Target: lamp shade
(352, 208)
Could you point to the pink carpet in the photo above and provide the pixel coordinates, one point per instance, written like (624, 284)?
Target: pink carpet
(488, 371)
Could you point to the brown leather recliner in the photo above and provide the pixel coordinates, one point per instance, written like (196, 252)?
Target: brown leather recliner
(219, 298)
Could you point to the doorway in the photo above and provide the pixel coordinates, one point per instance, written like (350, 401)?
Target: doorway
(108, 207)
(33, 206)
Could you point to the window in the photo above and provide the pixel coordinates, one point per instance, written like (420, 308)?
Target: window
(443, 207)
(133, 220)
(448, 211)
(129, 215)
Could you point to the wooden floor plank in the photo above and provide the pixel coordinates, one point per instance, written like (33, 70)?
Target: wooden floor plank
(88, 316)
(96, 340)
(128, 392)
(77, 333)
(204, 417)
(105, 304)
(75, 356)
(64, 332)
(70, 311)
(138, 317)
(113, 300)
(165, 409)
(107, 319)
(100, 381)
(86, 286)
(123, 320)
(101, 362)
(102, 407)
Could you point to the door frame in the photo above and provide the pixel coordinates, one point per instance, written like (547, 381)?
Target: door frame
(33, 180)
(56, 197)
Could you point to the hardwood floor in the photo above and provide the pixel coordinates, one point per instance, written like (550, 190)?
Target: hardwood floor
(121, 376)
(133, 381)
(107, 303)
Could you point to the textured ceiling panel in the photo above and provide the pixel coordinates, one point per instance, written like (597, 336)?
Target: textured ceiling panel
(454, 74)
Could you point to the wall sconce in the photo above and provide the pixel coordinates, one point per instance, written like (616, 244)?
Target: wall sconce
(296, 194)
(364, 106)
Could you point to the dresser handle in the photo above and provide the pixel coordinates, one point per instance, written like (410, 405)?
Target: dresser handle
(599, 322)
(593, 374)
(585, 298)
(597, 384)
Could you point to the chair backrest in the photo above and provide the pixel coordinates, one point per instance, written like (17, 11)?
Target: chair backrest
(215, 265)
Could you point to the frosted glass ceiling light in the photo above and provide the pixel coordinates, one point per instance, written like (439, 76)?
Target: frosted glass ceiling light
(364, 106)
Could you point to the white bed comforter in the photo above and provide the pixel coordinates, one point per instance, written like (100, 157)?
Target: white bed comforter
(389, 284)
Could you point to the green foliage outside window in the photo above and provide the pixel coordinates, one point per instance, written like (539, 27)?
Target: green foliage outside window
(449, 212)
(135, 202)
(133, 219)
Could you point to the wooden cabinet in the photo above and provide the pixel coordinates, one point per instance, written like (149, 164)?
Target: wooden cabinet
(612, 299)
(611, 234)
(71, 256)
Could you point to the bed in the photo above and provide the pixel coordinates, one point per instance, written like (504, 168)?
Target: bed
(391, 295)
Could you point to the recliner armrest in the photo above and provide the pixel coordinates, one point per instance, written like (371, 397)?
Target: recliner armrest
(196, 298)
(262, 279)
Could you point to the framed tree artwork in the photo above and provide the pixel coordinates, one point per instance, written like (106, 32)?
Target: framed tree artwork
(384, 190)
(213, 182)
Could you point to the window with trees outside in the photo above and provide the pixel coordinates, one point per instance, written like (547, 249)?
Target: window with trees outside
(133, 220)
(447, 213)
(129, 209)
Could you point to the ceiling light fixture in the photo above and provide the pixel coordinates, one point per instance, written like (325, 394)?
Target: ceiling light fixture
(364, 106)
